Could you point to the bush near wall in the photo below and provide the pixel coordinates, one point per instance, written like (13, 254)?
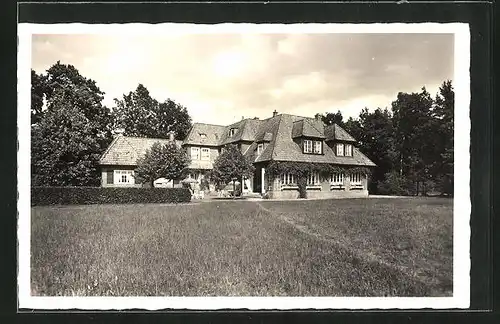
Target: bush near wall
(96, 195)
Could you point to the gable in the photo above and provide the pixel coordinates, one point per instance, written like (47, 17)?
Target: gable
(336, 133)
(308, 127)
(125, 150)
(205, 135)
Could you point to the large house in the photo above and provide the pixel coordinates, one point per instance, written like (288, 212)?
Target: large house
(281, 138)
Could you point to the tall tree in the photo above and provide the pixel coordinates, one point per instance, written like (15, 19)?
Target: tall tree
(412, 121)
(71, 133)
(230, 165)
(64, 150)
(375, 135)
(38, 91)
(139, 114)
(444, 116)
(332, 118)
(161, 161)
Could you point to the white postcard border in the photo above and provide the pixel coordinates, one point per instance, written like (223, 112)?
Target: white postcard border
(461, 204)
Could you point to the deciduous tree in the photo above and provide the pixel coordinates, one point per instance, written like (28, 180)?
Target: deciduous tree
(72, 131)
(230, 165)
(161, 161)
(139, 114)
(332, 118)
(64, 150)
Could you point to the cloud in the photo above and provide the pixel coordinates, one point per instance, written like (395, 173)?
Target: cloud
(221, 77)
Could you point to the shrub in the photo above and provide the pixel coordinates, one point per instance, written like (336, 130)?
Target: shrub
(396, 184)
(95, 195)
(204, 184)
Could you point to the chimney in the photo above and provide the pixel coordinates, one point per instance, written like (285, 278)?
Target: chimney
(171, 136)
(275, 113)
(318, 117)
(242, 117)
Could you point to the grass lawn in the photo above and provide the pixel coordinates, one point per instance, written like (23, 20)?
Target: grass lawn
(351, 247)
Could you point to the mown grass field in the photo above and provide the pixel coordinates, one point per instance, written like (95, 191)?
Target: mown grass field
(351, 247)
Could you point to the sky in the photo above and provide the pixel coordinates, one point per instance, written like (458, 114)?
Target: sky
(221, 78)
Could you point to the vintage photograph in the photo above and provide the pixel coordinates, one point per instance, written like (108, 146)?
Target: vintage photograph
(242, 164)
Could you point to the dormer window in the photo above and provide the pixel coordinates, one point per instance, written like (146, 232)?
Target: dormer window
(343, 149)
(313, 147)
(317, 147)
(348, 150)
(232, 132)
(260, 148)
(340, 149)
(203, 135)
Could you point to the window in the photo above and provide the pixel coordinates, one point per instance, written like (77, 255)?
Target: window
(232, 131)
(337, 179)
(109, 177)
(312, 146)
(317, 147)
(195, 153)
(307, 146)
(355, 179)
(205, 154)
(124, 177)
(260, 148)
(340, 149)
(348, 150)
(313, 179)
(203, 135)
(287, 179)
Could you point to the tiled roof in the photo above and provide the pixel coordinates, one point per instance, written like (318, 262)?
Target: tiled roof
(125, 150)
(284, 148)
(247, 129)
(335, 132)
(308, 127)
(213, 133)
(278, 131)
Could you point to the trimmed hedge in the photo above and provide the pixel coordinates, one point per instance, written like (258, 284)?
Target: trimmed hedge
(42, 196)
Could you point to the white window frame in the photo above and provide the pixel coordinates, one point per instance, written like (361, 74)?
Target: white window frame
(313, 180)
(205, 154)
(339, 149)
(195, 153)
(287, 180)
(123, 177)
(232, 132)
(348, 149)
(203, 135)
(337, 179)
(308, 146)
(317, 147)
(356, 180)
(260, 148)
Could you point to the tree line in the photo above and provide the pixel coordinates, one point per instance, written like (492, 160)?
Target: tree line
(71, 128)
(412, 143)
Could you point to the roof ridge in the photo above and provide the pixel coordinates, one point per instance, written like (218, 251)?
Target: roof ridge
(210, 124)
(151, 138)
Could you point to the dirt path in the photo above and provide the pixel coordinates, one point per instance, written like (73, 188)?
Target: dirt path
(364, 256)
